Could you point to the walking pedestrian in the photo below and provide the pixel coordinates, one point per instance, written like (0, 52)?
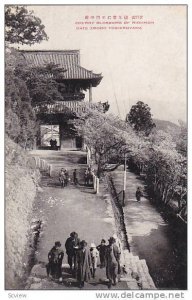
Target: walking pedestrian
(138, 194)
(117, 241)
(90, 177)
(118, 244)
(55, 257)
(54, 144)
(112, 258)
(51, 143)
(62, 177)
(94, 258)
(71, 245)
(75, 180)
(66, 177)
(86, 177)
(83, 264)
(102, 251)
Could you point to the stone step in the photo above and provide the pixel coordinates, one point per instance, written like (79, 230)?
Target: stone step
(69, 160)
(68, 167)
(131, 283)
(140, 271)
(80, 170)
(144, 275)
(147, 274)
(57, 153)
(136, 266)
(57, 158)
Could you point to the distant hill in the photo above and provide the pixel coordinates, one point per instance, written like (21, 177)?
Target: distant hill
(165, 125)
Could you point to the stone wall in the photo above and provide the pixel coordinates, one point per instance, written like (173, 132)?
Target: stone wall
(20, 191)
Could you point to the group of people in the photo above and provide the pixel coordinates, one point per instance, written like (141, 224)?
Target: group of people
(83, 260)
(64, 177)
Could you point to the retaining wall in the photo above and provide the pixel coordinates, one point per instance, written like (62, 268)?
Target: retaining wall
(20, 191)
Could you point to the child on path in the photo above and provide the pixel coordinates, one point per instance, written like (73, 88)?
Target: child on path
(94, 258)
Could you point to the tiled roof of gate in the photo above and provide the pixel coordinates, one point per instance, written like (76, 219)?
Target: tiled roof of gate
(67, 59)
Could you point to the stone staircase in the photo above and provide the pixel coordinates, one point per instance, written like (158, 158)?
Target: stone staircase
(136, 273)
(68, 159)
(137, 269)
(134, 270)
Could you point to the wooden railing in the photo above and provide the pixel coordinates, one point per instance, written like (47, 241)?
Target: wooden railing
(73, 96)
(64, 106)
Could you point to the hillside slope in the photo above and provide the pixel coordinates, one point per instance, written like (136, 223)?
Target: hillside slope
(165, 125)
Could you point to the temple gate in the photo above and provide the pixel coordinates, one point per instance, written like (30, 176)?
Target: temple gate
(55, 119)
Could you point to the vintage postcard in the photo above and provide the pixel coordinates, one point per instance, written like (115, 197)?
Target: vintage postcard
(96, 149)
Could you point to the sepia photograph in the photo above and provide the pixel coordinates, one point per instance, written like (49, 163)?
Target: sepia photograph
(95, 147)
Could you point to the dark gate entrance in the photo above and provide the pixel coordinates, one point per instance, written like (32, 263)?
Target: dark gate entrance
(79, 142)
(49, 133)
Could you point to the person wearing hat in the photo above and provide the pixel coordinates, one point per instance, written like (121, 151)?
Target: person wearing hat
(112, 259)
(55, 257)
(71, 245)
(83, 264)
(94, 258)
(102, 249)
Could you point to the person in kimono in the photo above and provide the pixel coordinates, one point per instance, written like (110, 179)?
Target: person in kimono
(75, 180)
(55, 257)
(102, 249)
(62, 177)
(83, 264)
(94, 258)
(118, 244)
(112, 261)
(71, 245)
(138, 194)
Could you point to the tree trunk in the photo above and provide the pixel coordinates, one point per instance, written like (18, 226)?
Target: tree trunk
(163, 194)
(166, 196)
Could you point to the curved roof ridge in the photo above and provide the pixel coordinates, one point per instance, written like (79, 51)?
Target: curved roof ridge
(45, 50)
(68, 59)
(91, 71)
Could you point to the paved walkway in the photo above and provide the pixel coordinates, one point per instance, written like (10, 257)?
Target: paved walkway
(141, 216)
(150, 237)
(66, 210)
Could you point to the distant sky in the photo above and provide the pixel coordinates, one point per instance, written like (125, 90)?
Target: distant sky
(147, 65)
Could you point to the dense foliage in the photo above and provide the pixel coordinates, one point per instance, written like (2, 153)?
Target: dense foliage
(22, 27)
(155, 156)
(24, 84)
(140, 118)
(102, 135)
(20, 121)
(42, 81)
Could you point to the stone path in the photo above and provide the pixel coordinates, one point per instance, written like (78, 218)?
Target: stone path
(63, 211)
(145, 227)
